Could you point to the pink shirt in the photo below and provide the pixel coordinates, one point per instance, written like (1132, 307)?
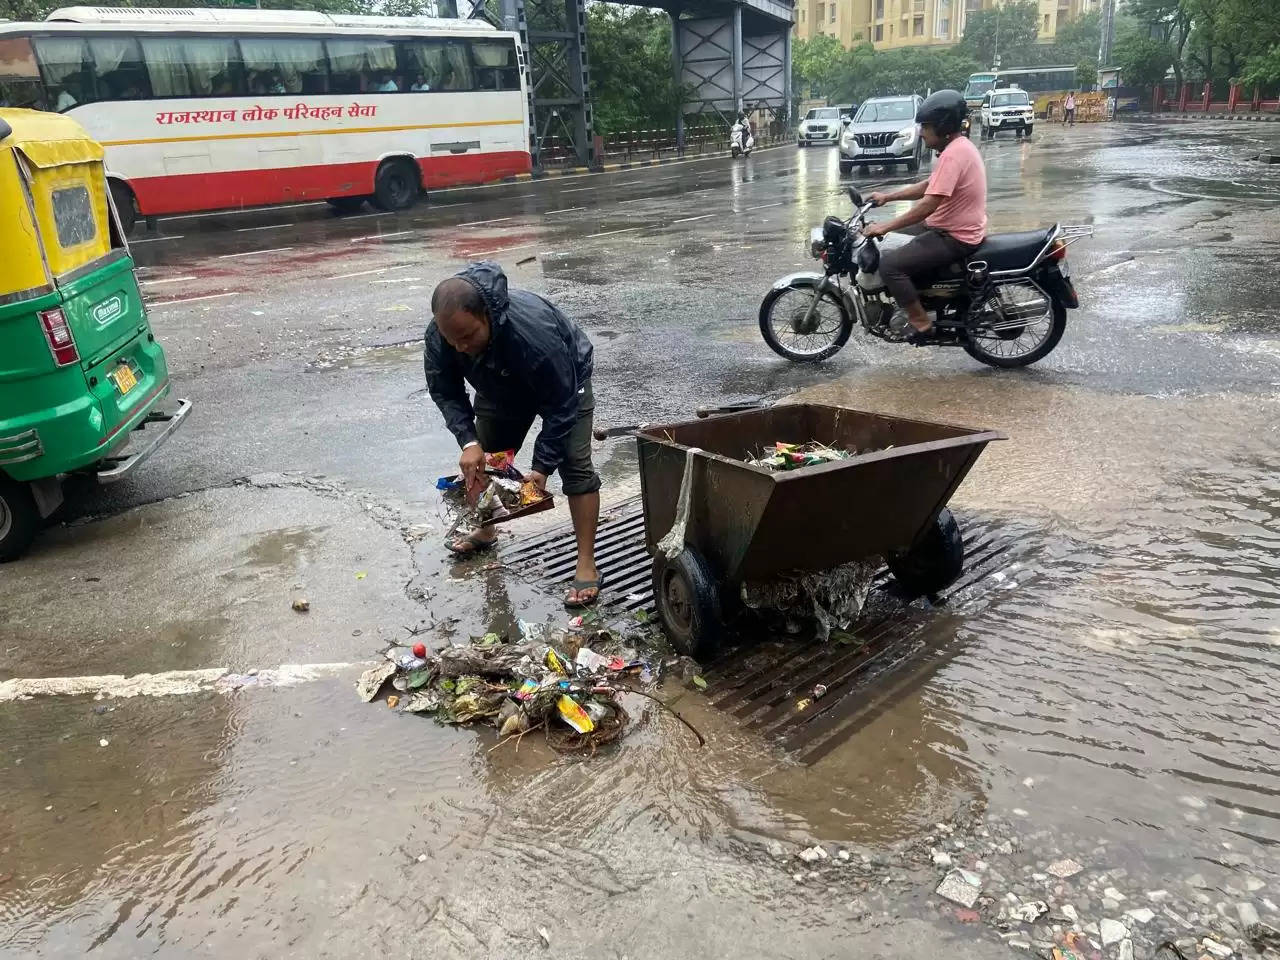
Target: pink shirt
(960, 179)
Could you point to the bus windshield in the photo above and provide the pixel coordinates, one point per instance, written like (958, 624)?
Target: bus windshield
(979, 83)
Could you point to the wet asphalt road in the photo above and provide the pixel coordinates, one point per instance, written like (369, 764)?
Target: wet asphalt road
(1116, 706)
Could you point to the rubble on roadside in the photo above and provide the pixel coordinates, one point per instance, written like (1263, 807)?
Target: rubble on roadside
(1048, 903)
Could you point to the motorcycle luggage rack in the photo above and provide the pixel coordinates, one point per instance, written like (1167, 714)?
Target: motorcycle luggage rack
(1068, 234)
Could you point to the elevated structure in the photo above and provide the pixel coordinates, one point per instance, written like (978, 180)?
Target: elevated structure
(728, 55)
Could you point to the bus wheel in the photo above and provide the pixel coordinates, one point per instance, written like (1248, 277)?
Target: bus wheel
(126, 208)
(346, 204)
(19, 518)
(396, 185)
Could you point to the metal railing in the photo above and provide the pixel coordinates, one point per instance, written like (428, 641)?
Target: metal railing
(632, 146)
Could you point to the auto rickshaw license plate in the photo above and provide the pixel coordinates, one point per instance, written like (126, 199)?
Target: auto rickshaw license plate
(124, 378)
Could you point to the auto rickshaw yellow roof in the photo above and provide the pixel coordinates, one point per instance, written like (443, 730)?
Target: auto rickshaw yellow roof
(48, 139)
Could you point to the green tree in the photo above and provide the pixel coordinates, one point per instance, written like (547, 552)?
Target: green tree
(1078, 39)
(902, 71)
(1143, 61)
(1263, 69)
(815, 64)
(632, 86)
(1168, 20)
(1009, 29)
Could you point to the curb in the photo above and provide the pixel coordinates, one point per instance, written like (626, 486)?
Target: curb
(629, 165)
(1190, 118)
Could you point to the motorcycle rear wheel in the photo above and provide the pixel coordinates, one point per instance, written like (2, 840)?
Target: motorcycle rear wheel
(782, 314)
(1057, 326)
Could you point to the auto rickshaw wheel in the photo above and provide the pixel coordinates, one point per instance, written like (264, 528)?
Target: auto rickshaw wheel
(19, 519)
(126, 207)
(688, 603)
(936, 559)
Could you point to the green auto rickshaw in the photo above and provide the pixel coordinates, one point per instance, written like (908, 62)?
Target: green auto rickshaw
(81, 376)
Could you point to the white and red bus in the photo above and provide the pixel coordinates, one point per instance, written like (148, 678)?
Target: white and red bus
(203, 109)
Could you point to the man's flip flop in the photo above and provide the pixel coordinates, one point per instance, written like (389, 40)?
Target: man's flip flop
(478, 545)
(578, 587)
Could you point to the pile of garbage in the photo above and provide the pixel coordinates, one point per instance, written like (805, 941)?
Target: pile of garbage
(793, 456)
(507, 494)
(571, 693)
(832, 600)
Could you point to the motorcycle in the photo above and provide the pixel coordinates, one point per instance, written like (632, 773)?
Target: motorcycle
(741, 141)
(1006, 304)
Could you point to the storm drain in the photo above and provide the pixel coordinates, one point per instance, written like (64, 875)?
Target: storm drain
(811, 697)
(548, 559)
(807, 697)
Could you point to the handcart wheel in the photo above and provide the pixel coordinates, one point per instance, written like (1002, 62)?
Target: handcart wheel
(688, 604)
(935, 561)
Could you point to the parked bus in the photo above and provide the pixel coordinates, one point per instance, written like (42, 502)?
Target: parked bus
(210, 109)
(1042, 83)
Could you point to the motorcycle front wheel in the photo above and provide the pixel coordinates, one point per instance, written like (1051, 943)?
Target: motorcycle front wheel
(793, 332)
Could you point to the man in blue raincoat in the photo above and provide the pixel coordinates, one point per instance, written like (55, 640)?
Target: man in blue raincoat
(524, 359)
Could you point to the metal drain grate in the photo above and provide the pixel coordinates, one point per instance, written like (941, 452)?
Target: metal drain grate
(548, 559)
(890, 652)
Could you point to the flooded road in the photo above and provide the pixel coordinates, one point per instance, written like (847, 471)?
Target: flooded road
(1106, 694)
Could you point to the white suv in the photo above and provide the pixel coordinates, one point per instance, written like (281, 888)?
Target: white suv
(1006, 109)
(884, 130)
(820, 125)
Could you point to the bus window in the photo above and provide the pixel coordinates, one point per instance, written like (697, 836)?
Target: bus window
(496, 67)
(363, 66)
(438, 64)
(193, 67)
(68, 80)
(20, 84)
(284, 65)
(118, 64)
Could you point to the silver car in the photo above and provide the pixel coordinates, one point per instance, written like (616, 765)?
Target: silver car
(883, 131)
(820, 125)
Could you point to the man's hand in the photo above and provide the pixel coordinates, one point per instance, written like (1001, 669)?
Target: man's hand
(880, 199)
(539, 480)
(874, 230)
(471, 463)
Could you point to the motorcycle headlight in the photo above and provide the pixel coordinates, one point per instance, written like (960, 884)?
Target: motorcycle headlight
(817, 243)
(908, 134)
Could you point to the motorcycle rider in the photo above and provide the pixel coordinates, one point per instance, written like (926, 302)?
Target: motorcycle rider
(952, 203)
(748, 130)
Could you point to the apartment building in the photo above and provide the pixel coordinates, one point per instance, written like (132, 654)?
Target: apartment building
(904, 23)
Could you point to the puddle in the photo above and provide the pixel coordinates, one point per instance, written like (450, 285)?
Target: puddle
(393, 355)
(291, 546)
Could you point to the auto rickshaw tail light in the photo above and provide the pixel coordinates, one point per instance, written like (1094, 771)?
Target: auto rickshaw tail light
(58, 333)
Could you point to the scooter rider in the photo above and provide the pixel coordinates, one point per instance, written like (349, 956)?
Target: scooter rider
(952, 203)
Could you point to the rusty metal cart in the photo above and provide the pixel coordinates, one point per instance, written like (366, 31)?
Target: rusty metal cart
(748, 523)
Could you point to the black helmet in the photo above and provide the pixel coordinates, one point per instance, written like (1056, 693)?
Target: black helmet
(945, 110)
